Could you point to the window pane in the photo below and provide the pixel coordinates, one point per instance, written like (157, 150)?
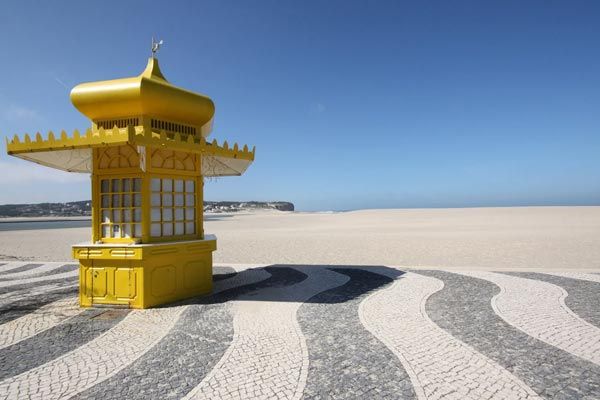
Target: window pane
(137, 215)
(155, 201)
(126, 215)
(179, 186)
(105, 201)
(155, 230)
(105, 215)
(167, 229)
(127, 230)
(137, 200)
(190, 228)
(189, 213)
(105, 231)
(167, 185)
(137, 230)
(179, 214)
(189, 200)
(126, 185)
(116, 185)
(179, 200)
(155, 185)
(155, 214)
(116, 216)
(116, 200)
(179, 228)
(189, 186)
(104, 186)
(116, 231)
(126, 200)
(137, 185)
(167, 214)
(167, 200)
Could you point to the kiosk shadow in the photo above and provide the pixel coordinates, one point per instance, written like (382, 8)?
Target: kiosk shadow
(361, 280)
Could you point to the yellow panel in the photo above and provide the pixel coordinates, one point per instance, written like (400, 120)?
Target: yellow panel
(163, 281)
(174, 160)
(164, 250)
(196, 273)
(125, 281)
(122, 252)
(124, 156)
(99, 283)
(85, 283)
(84, 252)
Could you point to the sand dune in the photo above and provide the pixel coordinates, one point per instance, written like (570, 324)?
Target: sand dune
(515, 237)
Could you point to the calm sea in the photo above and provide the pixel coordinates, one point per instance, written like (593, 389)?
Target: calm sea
(28, 225)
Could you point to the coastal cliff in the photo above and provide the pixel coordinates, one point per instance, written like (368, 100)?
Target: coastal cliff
(83, 208)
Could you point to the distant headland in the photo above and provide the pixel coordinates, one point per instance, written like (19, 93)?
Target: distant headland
(83, 208)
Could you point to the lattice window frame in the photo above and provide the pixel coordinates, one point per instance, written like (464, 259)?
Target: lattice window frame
(171, 219)
(120, 214)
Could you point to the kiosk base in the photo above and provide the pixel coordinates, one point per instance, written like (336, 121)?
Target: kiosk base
(144, 275)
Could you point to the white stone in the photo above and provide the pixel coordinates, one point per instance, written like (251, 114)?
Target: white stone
(439, 365)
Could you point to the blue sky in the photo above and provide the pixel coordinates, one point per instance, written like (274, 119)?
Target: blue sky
(367, 104)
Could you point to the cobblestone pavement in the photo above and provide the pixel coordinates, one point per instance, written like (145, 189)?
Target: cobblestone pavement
(50, 277)
(38, 270)
(440, 366)
(584, 296)
(196, 343)
(38, 321)
(345, 360)
(315, 332)
(463, 308)
(16, 268)
(594, 277)
(538, 308)
(26, 300)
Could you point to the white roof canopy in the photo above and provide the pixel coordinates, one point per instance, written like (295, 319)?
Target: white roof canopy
(80, 160)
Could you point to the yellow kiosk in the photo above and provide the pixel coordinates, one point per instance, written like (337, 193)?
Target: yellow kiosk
(147, 154)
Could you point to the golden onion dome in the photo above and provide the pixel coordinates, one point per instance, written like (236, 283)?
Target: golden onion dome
(147, 95)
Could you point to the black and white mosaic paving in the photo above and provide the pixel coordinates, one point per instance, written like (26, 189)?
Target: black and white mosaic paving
(312, 332)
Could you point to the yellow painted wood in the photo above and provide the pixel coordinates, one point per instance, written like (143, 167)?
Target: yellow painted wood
(133, 135)
(95, 202)
(142, 276)
(199, 198)
(146, 210)
(148, 94)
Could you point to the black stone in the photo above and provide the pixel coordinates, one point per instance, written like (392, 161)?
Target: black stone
(180, 361)
(27, 304)
(56, 341)
(346, 360)
(33, 285)
(59, 270)
(463, 308)
(22, 268)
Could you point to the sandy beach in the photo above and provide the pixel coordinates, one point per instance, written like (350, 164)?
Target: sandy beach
(502, 238)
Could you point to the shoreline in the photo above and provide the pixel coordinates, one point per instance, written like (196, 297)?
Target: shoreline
(16, 220)
(326, 212)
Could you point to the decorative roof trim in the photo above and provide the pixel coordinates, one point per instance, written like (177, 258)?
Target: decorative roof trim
(135, 135)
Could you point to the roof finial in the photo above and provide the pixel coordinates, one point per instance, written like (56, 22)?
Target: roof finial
(155, 46)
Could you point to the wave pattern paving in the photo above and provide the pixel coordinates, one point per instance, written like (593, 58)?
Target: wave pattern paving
(291, 332)
(464, 309)
(440, 365)
(538, 309)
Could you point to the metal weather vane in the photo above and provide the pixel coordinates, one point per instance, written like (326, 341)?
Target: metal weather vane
(155, 46)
